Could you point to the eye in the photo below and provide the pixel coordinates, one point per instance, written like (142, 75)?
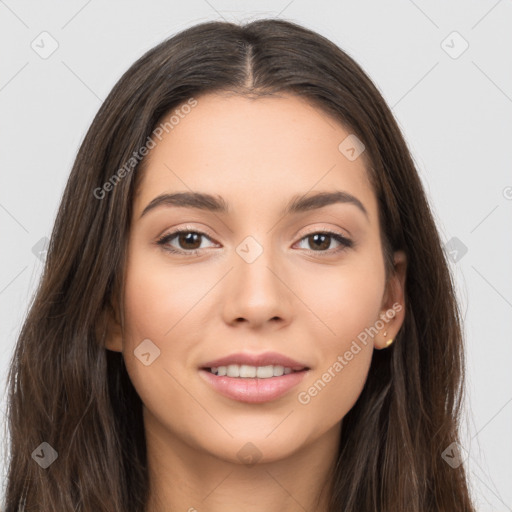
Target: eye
(321, 240)
(189, 240)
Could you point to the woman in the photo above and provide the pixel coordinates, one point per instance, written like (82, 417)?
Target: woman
(304, 353)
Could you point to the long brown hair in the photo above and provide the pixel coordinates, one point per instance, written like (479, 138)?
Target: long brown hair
(67, 390)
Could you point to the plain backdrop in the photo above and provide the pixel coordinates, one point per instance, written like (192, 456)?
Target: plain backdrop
(445, 68)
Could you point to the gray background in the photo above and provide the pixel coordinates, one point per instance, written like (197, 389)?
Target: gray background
(454, 108)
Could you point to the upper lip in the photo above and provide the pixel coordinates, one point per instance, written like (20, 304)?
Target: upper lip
(264, 359)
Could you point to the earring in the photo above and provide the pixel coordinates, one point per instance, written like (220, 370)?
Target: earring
(385, 333)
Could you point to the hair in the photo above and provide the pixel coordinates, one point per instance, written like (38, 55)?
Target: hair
(65, 388)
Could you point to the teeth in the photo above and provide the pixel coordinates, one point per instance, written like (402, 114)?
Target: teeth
(247, 372)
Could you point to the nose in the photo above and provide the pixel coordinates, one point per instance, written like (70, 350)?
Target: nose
(257, 292)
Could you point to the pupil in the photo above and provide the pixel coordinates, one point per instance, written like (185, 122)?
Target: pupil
(189, 239)
(325, 237)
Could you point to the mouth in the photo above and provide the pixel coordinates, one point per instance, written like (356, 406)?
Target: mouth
(245, 371)
(253, 384)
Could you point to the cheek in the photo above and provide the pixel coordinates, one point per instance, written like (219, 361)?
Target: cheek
(347, 301)
(159, 297)
(157, 300)
(342, 300)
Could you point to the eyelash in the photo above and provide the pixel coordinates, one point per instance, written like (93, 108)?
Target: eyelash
(345, 242)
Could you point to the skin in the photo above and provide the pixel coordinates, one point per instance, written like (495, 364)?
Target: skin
(256, 154)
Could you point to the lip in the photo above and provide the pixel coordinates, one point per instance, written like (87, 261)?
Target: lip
(253, 390)
(264, 359)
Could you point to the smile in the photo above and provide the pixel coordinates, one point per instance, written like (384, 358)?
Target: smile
(253, 389)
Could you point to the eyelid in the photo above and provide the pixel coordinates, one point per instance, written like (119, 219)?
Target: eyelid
(323, 229)
(186, 229)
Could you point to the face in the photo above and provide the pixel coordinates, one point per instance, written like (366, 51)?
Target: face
(258, 277)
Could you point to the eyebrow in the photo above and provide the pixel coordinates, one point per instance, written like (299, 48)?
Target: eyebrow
(217, 204)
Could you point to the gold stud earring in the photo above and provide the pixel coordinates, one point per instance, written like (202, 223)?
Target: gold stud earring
(389, 342)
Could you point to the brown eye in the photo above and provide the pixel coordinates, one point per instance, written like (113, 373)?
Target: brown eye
(189, 242)
(320, 242)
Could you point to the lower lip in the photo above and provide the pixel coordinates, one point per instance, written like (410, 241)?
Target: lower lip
(254, 391)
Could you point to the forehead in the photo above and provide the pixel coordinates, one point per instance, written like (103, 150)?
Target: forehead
(254, 152)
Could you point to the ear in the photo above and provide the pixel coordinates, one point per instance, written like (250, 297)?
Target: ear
(393, 305)
(111, 331)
